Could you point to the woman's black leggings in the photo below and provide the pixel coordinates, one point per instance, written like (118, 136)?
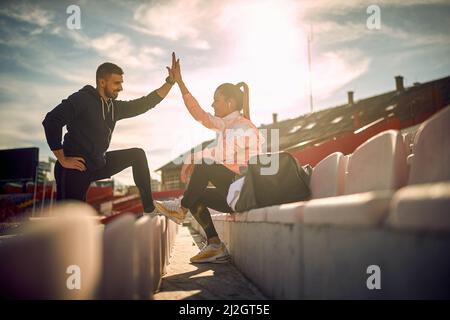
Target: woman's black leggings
(199, 197)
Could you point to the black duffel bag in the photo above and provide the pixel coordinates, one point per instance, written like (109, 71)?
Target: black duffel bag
(263, 188)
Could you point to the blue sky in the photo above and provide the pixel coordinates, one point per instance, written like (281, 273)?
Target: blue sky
(262, 42)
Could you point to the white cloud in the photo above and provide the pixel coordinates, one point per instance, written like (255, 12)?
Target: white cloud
(342, 6)
(67, 72)
(28, 13)
(413, 38)
(344, 65)
(331, 32)
(119, 49)
(184, 21)
(19, 126)
(114, 46)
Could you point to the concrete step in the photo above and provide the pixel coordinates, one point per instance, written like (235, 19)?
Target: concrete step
(202, 281)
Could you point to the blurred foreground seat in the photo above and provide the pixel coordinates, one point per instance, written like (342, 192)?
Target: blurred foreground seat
(55, 258)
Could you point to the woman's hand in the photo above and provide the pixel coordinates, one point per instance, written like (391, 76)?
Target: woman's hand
(175, 71)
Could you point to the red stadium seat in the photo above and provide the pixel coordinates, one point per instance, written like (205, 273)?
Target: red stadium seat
(328, 176)
(376, 169)
(425, 203)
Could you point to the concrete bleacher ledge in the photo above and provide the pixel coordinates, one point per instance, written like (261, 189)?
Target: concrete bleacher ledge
(370, 208)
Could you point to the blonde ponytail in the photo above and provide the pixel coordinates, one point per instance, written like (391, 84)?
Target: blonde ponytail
(245, 100)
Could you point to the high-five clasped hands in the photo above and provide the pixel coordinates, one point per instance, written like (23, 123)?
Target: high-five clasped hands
(174, 70)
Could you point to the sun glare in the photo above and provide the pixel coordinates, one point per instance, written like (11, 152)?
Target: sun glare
(270, 50)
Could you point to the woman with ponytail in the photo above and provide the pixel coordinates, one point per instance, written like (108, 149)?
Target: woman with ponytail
(238, 139)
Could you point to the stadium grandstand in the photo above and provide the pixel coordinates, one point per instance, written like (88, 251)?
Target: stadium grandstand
(380, 204)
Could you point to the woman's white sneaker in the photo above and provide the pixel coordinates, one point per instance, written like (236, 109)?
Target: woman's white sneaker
(212, 253)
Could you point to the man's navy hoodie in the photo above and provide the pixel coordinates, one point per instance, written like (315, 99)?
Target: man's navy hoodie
(90, 123)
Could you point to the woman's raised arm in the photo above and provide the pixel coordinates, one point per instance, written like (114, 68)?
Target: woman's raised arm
(205, 118)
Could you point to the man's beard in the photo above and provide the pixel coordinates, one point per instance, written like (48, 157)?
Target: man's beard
(111, 94)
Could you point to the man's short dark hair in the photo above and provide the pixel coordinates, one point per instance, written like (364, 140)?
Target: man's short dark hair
(106, 69)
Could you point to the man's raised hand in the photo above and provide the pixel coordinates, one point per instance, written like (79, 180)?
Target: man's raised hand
(176, 68)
